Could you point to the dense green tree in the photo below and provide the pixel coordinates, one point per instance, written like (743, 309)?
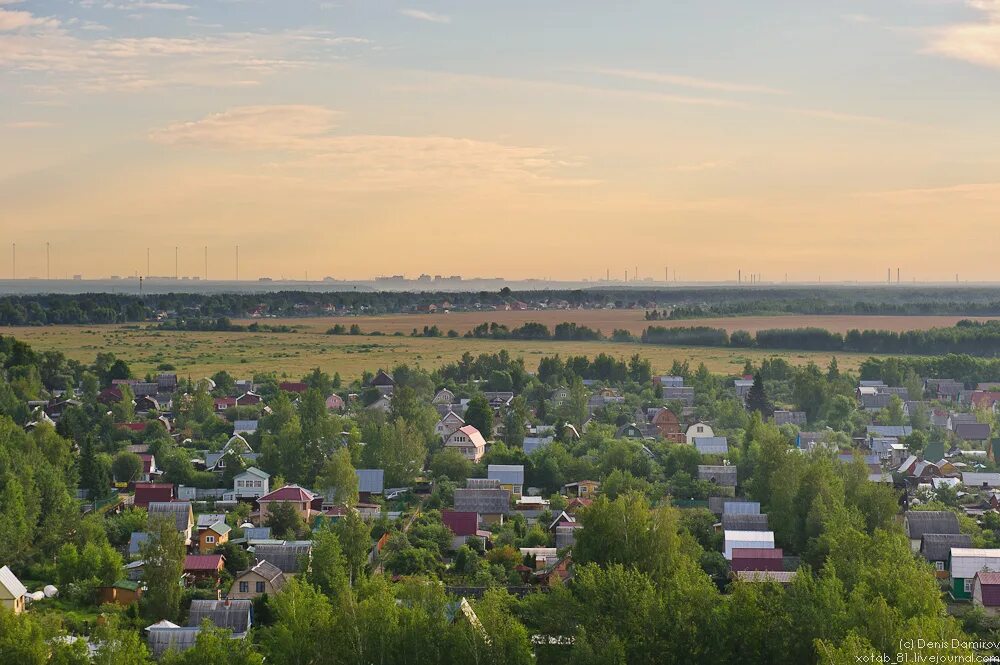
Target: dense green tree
(337, 478)
(479, 414)
(126, 467)
(163, 555)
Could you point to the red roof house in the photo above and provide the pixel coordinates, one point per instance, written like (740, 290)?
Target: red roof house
(293, 387)
(461, 523)
(754, 558)
(986, 591)
(146, 493)
(223, 403)
(204, 566)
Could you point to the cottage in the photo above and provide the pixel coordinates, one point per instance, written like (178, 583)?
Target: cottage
(371, 482)
(122, 592)
(447, 425)
(973, 432)
(212, 536)
(383, 382)
(177, 512)
(667, 425)
(463, 526)
(146, 493)
(918, 523)
(797, 418)
(204, 567)
(232, 615)
(981, 480)
(936, 549)
(698, 430)
(135, 542)
(236, 445)
(484, 497)
(468, 441)
(582, 488)
(443, 396)
(752, 539)
(248, 398)
(251, 484)
(510, 477)
(335, 403)
(723, 475)
(12, 592)
(965, 563)
(532, 443)
(299, 498)
(263, 577)
(294, 387)
(986, 591)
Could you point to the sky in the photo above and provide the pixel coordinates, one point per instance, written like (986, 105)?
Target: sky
(561, 139)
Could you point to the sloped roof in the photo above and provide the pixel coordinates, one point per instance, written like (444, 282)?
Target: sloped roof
(268, 571)
(745, 522)
(9, 581)
(179, 511)
(202, 562)
(288, 556)
(461, 523)
(287, 493)
(921, 522)
(711, 445)
(231, 614)
(972, 431)
(721, 475)
(371, 480)
(937, 546)
(507, 474)
(474, 435)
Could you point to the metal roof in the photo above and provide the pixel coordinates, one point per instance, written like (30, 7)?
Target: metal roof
(507, 474)
(371, 481)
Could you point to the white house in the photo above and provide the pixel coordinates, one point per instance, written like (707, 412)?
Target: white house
(699, 430)
(252, 483)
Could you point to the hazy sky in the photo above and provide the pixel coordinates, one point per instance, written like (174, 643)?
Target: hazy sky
(523, 138)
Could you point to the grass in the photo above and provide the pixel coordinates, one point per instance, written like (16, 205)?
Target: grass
(198, 354)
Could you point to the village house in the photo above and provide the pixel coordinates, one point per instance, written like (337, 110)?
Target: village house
(443, 396)
(335, 403)
(178, 513)
(972, 432)
(251, 484)
(146, 493)
(698, 429)
(236, 445)
(918, 523)
(484, 497)
(204, 567)
(371, 482)
(233, 615)
(744, 522)
(582, 488)
(12, 592)
(468, 441)
(751, 539)
(935, 548)
(448, 424)
(510, 477)
(463, 526)
(754, 558)
(212, 536)
(965, 562)
(122, 592)
(986, 591)
(712, 445)
(164, 636)
(722, 475)
(299, 498)
(383, 382)
(797, 418)
(263, 577)
(667, 425)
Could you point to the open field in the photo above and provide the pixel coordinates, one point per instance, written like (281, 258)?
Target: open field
(607, 320)
(197, 354)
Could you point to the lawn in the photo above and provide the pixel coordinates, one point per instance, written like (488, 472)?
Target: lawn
(198, 354)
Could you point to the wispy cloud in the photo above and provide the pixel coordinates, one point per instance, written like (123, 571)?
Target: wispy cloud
(977, 43)
(29, 124)
(314, 153)
(683, 81)
(16, 19)
(422, 15)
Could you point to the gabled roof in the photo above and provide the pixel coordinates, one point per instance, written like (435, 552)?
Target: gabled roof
(474, 435)
(507, 474)
(287, 493)
(937, 546)
(461, 523)
(231, 614)
(9, 581)
(202, 562)
(289, 556)
(255, 472)
(268, 571)
(972, 431)
(371, 481)
(921, 522)
(744, 522)
(179, 511)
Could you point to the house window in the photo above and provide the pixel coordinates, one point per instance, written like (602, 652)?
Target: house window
(968, 586)
(260, 587)
(209, 540)
(244, 587)
(939, 566)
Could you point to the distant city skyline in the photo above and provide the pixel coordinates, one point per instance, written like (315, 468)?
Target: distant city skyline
(521, 139)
